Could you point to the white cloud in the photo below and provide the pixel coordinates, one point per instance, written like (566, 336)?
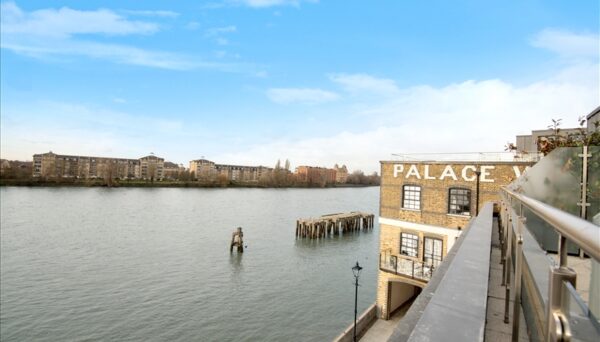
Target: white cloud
(65, 22)
(47, 33)
(114, 52)
(149, 13)
(77, 129)
(300, 95)
(568, 44)
(470, 116)
(271, 3)
(215, 31)
(360, 83)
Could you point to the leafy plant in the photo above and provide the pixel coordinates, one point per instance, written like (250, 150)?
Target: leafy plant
(583, 137)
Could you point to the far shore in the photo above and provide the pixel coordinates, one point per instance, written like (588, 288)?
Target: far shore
(163, 184)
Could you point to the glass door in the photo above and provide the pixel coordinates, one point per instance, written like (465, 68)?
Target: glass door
(433, 251)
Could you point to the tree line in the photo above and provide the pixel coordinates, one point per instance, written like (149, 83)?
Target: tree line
(279, 176)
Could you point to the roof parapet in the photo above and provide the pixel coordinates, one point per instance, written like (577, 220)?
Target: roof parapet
(467, 157)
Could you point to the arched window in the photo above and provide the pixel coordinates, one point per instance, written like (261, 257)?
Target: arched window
(411, 197)
(459, 201)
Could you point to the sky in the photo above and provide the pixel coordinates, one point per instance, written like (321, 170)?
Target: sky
(316, 82)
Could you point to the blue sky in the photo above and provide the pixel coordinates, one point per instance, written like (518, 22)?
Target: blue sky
(318, 82)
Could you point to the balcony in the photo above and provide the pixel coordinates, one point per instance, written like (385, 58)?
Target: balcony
(402, 266)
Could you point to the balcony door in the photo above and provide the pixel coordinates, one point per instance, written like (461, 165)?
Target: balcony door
(433, 251)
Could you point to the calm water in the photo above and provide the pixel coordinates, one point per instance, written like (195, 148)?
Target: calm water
(154, 264)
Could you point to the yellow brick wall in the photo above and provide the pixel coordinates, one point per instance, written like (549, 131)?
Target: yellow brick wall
(434, 192)
(434, 205)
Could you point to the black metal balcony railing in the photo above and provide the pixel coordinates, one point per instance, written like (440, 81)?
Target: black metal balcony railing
(406, 267)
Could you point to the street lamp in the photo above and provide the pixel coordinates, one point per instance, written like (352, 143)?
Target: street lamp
(478, 173)
(356, 270)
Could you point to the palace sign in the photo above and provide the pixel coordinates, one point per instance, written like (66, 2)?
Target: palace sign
(467, 173)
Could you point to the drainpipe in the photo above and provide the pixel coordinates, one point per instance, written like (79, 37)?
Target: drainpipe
(478, 173)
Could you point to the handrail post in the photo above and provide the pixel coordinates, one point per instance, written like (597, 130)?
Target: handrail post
(518, 269)
(502, 226)
(507, 266)
(557, 324)
(503, 246)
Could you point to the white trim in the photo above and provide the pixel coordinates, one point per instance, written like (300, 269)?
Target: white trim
(450, 232)
(459, 215)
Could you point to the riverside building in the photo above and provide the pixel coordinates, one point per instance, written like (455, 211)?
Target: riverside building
(341, 174)
(316, 175)
(206, 170)
(53, 165)
(425, 203)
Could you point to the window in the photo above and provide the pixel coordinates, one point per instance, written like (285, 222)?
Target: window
(411, 197)
(432, 255)
(409, 244)
(459, 202)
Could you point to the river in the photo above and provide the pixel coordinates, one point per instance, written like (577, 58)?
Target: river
(135, 264)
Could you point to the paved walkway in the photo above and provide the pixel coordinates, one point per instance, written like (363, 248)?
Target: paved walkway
(381, 330)
(495, 328)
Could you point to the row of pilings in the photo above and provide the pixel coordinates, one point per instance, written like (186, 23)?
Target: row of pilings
(335, 224)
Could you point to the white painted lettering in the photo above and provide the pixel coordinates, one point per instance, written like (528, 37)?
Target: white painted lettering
(485, 173)
(471, 178)
(518, 171)
(427, 176)
(398, 168)
(413, 171)
(448, 172)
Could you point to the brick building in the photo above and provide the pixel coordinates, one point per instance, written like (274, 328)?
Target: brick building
(341, 174)
(53, 165)
(172, 170)
(424, 205)
(316, 175)
(205, 170)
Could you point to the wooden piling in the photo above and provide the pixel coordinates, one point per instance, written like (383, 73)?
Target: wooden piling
(334, 224)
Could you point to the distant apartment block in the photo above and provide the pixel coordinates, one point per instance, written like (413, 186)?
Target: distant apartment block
(316, 175)
(172, 170)
(205, 170)
(67, 166)
(341, 173)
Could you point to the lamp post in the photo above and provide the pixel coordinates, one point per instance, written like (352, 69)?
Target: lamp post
(478, 173)
(356, 270)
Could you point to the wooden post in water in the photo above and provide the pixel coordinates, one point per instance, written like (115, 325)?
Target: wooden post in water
(333, 225)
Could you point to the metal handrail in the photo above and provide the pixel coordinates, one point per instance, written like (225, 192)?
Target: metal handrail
(583, 233)
(419, 270)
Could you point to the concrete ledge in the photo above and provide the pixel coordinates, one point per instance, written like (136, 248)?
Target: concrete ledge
(362, 324)
(407, 324)
(452, 306)
(461, 297)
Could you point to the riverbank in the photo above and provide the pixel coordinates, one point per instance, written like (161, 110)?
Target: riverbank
(160, 184)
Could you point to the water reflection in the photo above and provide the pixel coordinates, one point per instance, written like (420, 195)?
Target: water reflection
(333, 240)
(235, 260)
